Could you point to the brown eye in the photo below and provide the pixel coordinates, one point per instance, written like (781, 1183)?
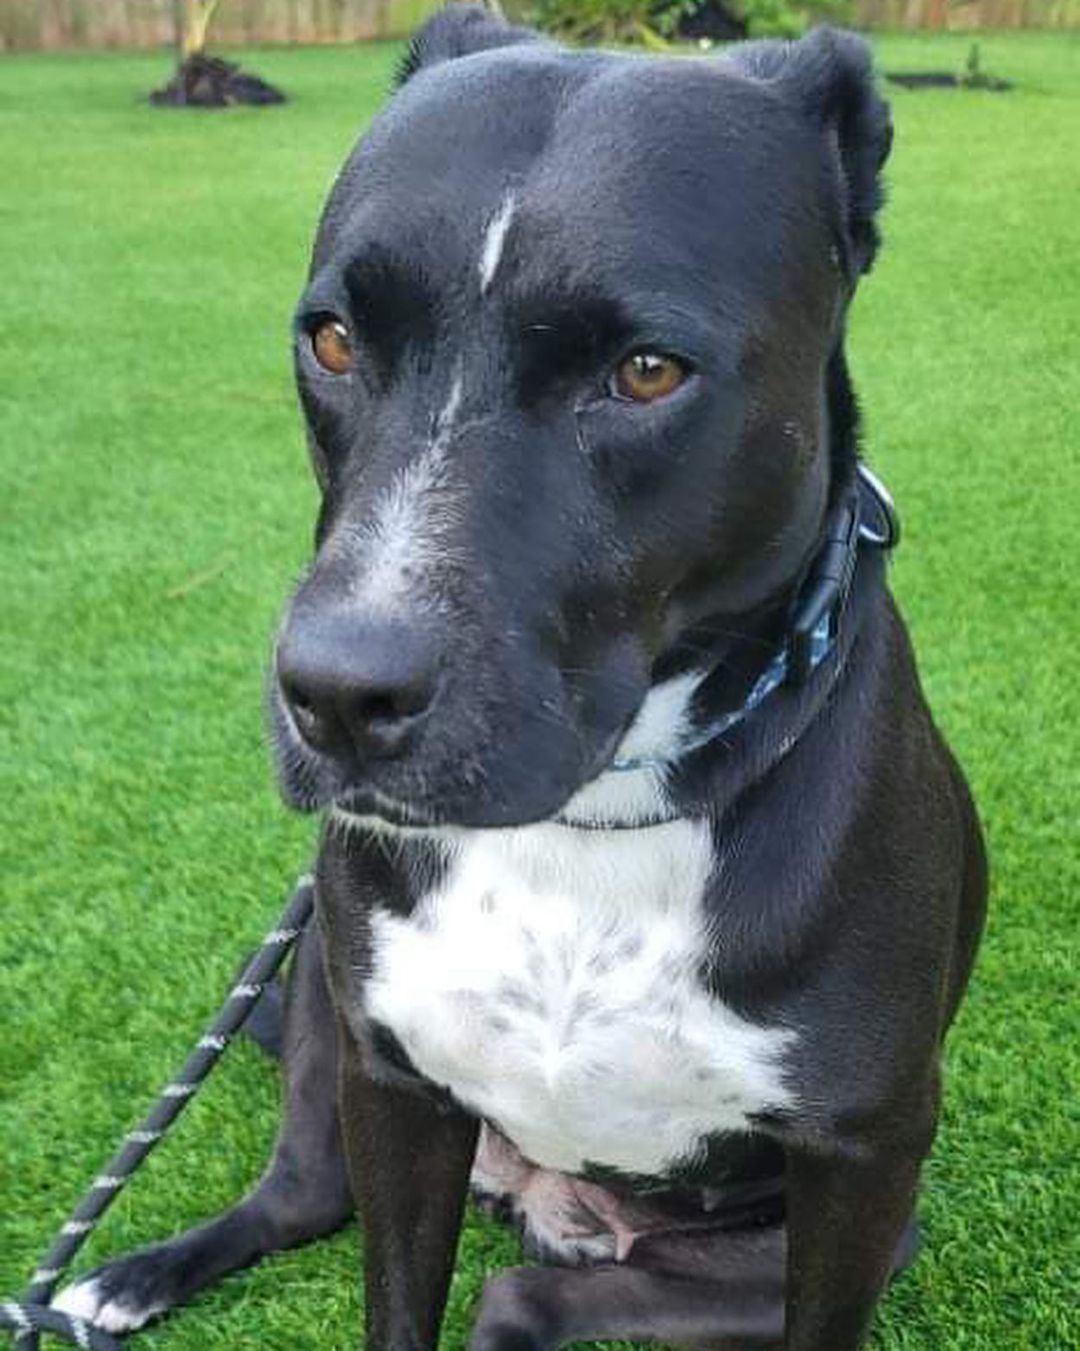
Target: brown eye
(647, 376)
(332, 347)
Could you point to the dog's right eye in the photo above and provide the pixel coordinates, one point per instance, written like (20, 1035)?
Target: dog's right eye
(332, 346)
(646, 376)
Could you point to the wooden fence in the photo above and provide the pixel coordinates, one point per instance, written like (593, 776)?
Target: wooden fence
(32, 24)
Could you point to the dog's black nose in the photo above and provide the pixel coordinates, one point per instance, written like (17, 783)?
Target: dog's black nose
(356, 685)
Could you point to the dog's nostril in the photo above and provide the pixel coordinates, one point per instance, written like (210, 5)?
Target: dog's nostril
(381, 721)
(317, 727)
(376, 721)
(380, 708)
(307, 720)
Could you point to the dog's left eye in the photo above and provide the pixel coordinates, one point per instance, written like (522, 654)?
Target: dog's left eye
(644, 377)
(332, 346)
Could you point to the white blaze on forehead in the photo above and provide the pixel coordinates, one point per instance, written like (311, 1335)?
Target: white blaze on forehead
(494, 239)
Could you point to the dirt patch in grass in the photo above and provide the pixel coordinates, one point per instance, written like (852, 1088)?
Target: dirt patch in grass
(209, 82)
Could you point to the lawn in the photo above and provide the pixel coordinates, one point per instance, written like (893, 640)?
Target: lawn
(156, 507)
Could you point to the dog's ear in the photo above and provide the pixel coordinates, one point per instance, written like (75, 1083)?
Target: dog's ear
(830, 73)
(457, 31)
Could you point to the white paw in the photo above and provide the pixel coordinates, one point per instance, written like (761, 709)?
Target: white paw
(85, 1301)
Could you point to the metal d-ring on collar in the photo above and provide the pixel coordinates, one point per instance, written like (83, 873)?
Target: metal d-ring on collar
(865, 516)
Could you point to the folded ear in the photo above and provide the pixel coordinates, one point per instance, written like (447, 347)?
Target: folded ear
(457, 31)
(831, 75)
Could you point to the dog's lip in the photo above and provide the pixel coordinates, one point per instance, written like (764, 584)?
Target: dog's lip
(381, 806)
(354, 804)
(371, 804)
(378, 807)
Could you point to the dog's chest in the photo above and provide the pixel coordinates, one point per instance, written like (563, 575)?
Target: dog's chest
(551, 983)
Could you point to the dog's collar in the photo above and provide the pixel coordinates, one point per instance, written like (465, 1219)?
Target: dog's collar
(864, 517)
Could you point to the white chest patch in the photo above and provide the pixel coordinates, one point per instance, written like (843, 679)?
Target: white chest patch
(551, 984)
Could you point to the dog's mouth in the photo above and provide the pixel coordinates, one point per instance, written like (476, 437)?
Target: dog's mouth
(370, 807)
(406, 797)
(357, 807)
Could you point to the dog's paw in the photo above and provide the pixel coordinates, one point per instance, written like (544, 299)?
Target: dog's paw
(121, 1296)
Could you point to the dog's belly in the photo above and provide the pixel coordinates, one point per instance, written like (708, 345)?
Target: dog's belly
(551, 984)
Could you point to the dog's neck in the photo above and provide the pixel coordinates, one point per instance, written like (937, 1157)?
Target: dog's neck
(755, 702)
(754, 705)
(863, 519)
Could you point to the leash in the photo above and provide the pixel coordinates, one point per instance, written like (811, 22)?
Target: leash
(30, 1316)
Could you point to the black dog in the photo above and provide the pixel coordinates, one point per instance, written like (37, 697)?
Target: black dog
(641, 846)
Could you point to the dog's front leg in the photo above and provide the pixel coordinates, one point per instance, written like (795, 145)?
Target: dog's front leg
(846, 1214)
(409, 1157)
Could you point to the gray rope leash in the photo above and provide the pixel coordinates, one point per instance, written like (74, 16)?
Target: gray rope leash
(31, 1315)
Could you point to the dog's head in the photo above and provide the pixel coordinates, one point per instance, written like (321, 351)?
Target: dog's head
(566, 357)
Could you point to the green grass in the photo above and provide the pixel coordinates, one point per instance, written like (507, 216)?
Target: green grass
(156, 506)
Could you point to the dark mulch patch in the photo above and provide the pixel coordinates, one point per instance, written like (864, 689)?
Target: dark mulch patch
(208, 82)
